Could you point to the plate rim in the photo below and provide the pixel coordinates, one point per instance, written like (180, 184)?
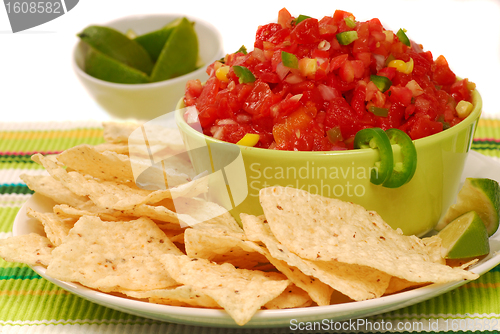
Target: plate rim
(263, 318)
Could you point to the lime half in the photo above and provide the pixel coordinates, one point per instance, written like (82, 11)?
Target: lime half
(106, 68)
(464, 237)
(154, 41)
(480, 195)
(118, 46)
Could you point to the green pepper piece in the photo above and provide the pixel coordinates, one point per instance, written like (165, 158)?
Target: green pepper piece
(376, 138)
(242, 49)
(301, 18)
(403, 38)
(382, 83)
(382, 112)
(347, 37)
(405, 169)
(334, 135)
(289, 60)
(350, 22)
(244, 74)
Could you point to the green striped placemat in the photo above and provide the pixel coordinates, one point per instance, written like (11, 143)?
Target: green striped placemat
(30, 304)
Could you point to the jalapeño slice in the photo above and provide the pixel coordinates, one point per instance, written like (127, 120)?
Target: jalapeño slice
(405, 169)
(377, 139)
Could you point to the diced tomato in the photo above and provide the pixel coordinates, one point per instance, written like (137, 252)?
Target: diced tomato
(441, 72)
(358, 99)
(285, 106)
(259, 100)
(207, 113)
(287, 134)
(361, 43)
(285, 18)
(388, 72)
(306, 32)
(375, 26)
(424, 127)
(358, 68)
(342, 115)
(339, 19)
(193, 91)
(460, 91)
(327, 27)
(264, 33)
(365, 57)
(346, 72)
(336, 62)
(400, 95)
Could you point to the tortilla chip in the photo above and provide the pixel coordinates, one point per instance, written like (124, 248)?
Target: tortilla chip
(399, 284)
(111, 256)
(55, 227)
(222, 246)
(64, 211)
(31, 249)
(161, 132)
(108, 147)
(240, 292)
(49, 187)
(432, 247)
(183, 295)
(325, 229)
(357, 282)
(292, 297)
(118, 132)
(118, 196)
(107, 166)
(110, 166)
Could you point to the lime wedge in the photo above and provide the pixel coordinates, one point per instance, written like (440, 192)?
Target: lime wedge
(154, 41)
(480, 195)
(179, 54)
(464, 237)
(117, 46)
(106, 68)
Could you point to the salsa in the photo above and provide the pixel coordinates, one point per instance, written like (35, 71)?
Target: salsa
(311, 85)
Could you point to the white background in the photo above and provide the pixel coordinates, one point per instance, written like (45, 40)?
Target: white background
(37, 82)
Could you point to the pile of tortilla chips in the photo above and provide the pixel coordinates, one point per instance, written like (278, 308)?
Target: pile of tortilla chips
(107, 233)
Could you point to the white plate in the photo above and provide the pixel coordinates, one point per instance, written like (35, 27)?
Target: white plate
(477, 166)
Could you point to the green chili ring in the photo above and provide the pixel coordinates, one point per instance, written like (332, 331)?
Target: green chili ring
(376, 138)
(403, 171)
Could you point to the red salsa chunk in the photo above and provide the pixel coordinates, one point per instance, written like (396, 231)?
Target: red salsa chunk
(311, 85)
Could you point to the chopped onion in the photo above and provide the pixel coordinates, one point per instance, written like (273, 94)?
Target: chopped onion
(282, 71)
(324, 45)
(259, 54)
(191, 115)
(217, 131)
(243, 118)
(380, 61)
(226, 121)
(328, 93)
(415, 88)
(294, 78)
(416, 47)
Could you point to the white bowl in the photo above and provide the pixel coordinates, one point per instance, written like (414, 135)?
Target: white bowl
(147, 101)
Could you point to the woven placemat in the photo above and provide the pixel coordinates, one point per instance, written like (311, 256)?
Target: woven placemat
(31, 304)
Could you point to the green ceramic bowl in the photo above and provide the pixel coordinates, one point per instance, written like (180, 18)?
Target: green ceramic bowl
(415, 207)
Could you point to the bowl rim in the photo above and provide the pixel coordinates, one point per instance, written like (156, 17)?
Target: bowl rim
(207, 25)
(421, 142)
